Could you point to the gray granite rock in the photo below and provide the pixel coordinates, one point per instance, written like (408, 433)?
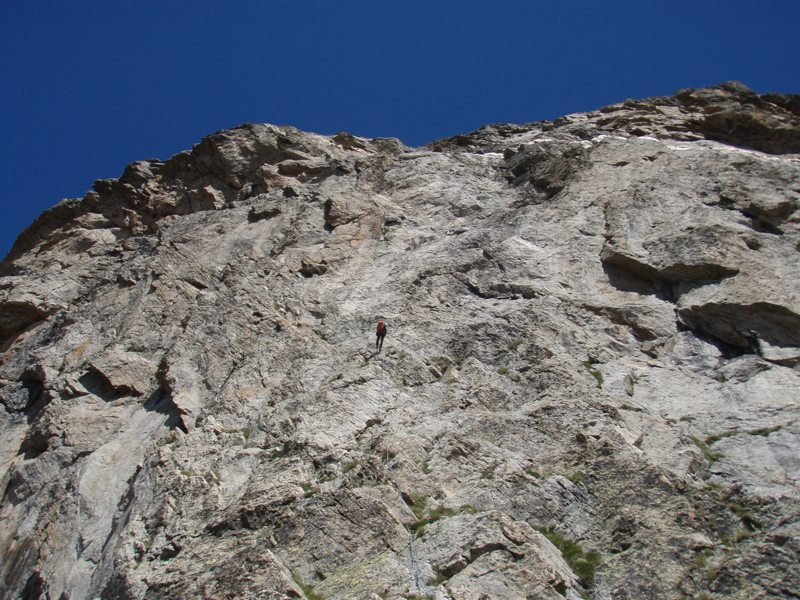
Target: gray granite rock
(589, 386)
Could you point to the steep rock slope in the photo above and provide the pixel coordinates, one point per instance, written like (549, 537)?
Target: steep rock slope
(589, 387)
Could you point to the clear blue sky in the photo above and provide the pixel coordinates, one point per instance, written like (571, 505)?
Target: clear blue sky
(88, 87)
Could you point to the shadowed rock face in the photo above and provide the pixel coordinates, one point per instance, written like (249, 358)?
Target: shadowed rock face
(590, 379)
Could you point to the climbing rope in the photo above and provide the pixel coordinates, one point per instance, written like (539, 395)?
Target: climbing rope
(399, 487)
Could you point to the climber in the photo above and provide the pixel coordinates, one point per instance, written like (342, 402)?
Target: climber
(381, 335)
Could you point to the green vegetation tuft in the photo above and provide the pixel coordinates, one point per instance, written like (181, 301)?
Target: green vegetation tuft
(586, 567)
(439, 579)
(765, 431)
(244, 431)
(739, 510)
(442, 511)
(437, 513)
(742, 534)
(418, 505)
(350, 466)
(576, 477)
(514, 345)
(308, 590)
(582, 564)
(418, 527)
(718, 436)
(531, 471)
(710, 455)
(594, 373)
(700, 561)
(309, 489)
(488, 473)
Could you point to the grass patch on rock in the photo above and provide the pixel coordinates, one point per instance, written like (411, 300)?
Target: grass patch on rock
(765, 431)
(576, 477)
(438, 579)
(718, 436)
(309, 489)
(594, 373)
(488, 473)
(437, 513)
(350, 466)
(710, 455)
(583, 564)
(533, 472)
(308, 590)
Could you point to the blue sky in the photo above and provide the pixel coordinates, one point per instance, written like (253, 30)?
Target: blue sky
(89, 87)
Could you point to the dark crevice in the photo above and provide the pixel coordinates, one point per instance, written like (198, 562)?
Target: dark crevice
(762, 225)
(265, 210)
(748, 326)
(667, 284)
(728, 350)
(37, 399)
(32, 391)
(474, 289)
(474, 554)
(626, 317)
(161, 402)
(96, 382)
(34, 443)
(34, 588)
(197, 284)
(626, 280)
(560, 587)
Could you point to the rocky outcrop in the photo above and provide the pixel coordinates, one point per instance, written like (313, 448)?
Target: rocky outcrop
(589, 386)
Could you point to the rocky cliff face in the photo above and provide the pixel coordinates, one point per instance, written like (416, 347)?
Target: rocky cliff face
(589, 387)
